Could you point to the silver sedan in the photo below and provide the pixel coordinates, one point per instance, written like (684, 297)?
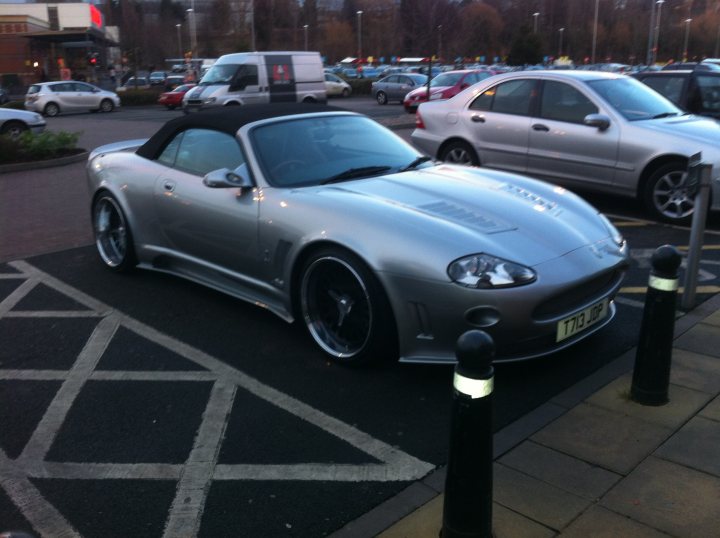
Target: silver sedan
(324, 216)
(583, 129)
(15, 122)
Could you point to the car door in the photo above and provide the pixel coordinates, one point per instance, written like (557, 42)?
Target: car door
(206, 225)
(562, 148)
(64, 94)
(333, 86)
(401, 89)
(86, 97)
(498, 120)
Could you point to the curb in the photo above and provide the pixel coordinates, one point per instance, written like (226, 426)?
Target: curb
(48, 163)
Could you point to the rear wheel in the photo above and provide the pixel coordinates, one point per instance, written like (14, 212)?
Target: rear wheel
(345, 308)
(381, 98)
(459, 152)
(51, 110)
(666, 194)
(113, 238)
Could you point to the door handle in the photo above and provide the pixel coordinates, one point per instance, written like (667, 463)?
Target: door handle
(540, 127)
(477, 119)
(169, 185)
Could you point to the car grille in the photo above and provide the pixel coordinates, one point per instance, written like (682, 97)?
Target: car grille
(195, 101)
(579, 296)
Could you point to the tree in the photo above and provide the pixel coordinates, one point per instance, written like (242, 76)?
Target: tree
(526, 48)
(480, 29)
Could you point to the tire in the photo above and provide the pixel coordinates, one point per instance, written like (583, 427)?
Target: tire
(345, 309)
(106, 105)
(51, 110)
(459, 152)
(666, 196)
(170, 107)
(13, 129)
(113, 238)
(381, 98)
(346, 92)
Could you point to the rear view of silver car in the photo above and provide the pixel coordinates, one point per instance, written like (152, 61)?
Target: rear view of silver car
(587, 130)
(53, 98)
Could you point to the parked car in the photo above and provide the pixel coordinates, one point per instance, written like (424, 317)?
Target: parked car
(53, 98)
(444, 86)
(173, 81)
(585, 129)
(701, 66)
(173, 99)
(135, 83)
(334, 85)
(4, 96)
(376, 250)
(157, 78)
(696, 91)
(15, 122)
(396, 87)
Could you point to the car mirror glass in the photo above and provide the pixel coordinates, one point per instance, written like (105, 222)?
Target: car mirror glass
(600, 121)
(224, 178)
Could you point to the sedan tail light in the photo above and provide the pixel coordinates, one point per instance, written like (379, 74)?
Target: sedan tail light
(418, 121)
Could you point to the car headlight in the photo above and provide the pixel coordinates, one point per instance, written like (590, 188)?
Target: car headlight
(38, 118)
(616, 236)
(435, 96)
(210, 100)
(484, 271)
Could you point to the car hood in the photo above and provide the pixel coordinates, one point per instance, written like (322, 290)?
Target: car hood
(33, 118)
(525, 220)
(695, 128)
(423, 89)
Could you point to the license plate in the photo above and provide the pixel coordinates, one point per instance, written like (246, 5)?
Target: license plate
(582, 320)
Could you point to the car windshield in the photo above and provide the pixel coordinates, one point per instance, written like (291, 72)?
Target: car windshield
(219, 74)
(317, 150)
(446, 79)
(633, 99)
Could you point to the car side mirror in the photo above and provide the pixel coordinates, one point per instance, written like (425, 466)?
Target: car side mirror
(224, 178)
(601, 121)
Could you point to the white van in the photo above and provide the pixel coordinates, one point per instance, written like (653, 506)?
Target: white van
(245, 78)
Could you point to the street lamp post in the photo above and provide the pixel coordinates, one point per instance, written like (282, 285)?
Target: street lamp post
(535, 20)
(657, 30)
(180, 51)
(359, 15)
(439, 53)
(193, 35)
(595, 27)
(305, 28)
(560, 42)
(687, 39)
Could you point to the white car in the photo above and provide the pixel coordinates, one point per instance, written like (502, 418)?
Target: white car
(15, 122)
(53, 98)
(334, 85)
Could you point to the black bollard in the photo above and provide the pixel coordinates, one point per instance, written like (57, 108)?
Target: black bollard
(467, 509)
(651, 376)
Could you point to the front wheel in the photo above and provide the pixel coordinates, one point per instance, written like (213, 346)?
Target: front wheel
(666, 194)
(345, 308)
(381, 98)
(107, 105)
(346, 92)
(13, 129)
(459, 152)
(113, 238)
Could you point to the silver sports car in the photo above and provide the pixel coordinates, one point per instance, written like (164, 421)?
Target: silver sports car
(323, 215)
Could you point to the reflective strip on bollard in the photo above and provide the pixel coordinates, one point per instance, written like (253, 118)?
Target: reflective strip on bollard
(475, 388)
(663, 284)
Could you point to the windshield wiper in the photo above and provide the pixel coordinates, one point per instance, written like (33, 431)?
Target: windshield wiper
(417, 162)
(353, 173)
(663, 115)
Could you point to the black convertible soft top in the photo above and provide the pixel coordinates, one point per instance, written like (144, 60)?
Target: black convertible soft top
(226, 119)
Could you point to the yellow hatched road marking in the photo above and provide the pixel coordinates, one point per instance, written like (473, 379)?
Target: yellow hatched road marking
(704, 247)
(629, 223)
(643, 289)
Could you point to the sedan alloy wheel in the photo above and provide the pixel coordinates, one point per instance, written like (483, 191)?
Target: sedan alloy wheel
(667, 195)
(112, 234)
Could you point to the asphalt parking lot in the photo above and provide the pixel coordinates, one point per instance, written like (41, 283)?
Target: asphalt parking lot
(146, 405)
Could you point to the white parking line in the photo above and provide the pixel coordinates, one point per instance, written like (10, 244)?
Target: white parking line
(201, 468)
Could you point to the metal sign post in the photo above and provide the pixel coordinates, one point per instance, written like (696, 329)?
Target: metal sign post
(698, 182)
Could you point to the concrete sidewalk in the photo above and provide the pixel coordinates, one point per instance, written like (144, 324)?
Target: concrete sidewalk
(591, 462)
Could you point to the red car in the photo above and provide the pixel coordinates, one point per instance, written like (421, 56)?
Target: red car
(174, 98)
(445, 86)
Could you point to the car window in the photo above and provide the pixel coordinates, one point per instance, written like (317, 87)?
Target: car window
(709, 90)
(80, 87)
(633, 99)
(670, 87)
(562, 102)
(393, 79)
(512, 97)
(62, 87)
(200, 151)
